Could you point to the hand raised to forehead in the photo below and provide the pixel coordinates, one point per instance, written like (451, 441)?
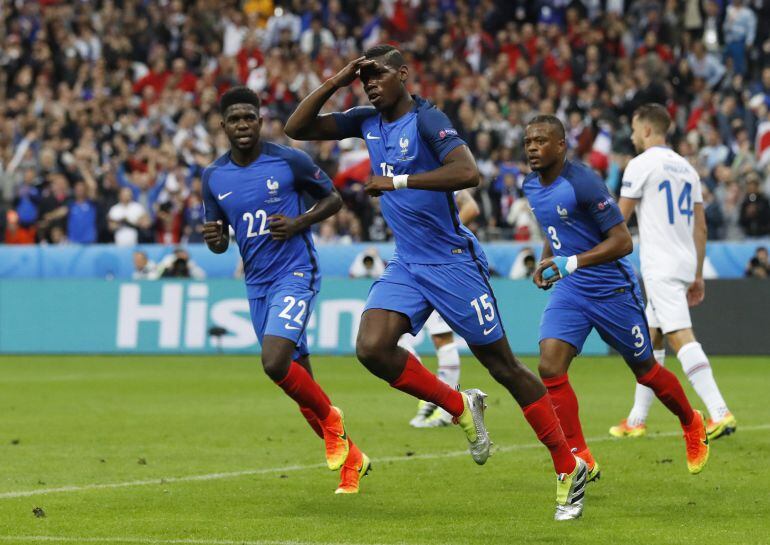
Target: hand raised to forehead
(351, 71)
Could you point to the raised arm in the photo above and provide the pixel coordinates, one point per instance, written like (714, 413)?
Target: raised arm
(306, 123)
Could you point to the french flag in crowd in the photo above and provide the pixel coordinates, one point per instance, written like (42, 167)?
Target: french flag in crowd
(599, 158)
(763, 143)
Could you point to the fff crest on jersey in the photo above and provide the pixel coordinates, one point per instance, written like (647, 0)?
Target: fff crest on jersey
(272, 190)
(403, 143)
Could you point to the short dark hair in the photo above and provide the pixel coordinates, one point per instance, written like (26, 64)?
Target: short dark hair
(389, 54)
(238, 95)
(551, 120)
(656, 115)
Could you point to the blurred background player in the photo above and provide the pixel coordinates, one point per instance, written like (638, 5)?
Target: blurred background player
(429, 415)
(420, 162)
(665, 191)
(587, 240)
(257, 188)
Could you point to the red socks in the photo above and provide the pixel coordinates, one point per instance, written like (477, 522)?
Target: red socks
(565, 404)
(313, 421)
(542, 418)
(668, 389)
(300, 386)
(417, 381)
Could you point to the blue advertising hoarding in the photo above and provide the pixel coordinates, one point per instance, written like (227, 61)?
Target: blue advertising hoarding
(102, 316)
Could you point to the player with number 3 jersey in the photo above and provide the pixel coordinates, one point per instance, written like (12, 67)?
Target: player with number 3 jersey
(594, 287)
(257, 188)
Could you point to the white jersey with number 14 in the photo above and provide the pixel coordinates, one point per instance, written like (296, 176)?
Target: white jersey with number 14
(668, 188)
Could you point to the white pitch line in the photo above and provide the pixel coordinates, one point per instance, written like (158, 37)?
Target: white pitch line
(152, 541)
(268, 470)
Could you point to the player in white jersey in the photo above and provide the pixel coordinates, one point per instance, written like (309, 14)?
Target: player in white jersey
(665, 191)
(428, 414)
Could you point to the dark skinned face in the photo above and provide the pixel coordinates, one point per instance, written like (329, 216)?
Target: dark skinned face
(242, 124)
(544, 146)
(383, 83)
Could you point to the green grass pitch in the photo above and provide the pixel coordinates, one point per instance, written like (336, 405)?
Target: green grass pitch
(205, 450)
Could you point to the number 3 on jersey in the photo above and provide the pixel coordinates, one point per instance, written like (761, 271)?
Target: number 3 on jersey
(554, 237)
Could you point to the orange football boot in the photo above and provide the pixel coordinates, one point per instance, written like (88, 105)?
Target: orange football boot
(336, 438)
(356, 465)
(697, 442)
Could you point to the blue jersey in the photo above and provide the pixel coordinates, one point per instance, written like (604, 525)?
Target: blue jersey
(425, 224)
(575, 212)
(245, 197)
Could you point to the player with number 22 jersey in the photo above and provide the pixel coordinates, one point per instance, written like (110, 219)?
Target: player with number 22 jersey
(258, 188)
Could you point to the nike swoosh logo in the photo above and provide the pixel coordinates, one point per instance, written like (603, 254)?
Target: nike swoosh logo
(291, 327)
(370, 136)
(225, 195)
(490, 330)
(637, 354)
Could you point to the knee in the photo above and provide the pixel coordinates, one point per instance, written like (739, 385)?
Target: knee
(550, 367)
(369, 350)
(504, 372)
(275, 367)
(641, 368)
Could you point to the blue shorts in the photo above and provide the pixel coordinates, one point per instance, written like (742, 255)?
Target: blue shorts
(284, 311)
(619, 320)
(460, 292)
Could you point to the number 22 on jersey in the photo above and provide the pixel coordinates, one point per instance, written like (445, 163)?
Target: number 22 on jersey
(258, 216)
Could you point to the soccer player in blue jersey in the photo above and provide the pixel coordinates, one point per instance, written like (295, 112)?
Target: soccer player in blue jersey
(418, 161)
(257, 188)
(595, 287)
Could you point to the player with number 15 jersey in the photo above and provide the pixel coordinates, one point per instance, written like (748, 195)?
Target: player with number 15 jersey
(418, 161)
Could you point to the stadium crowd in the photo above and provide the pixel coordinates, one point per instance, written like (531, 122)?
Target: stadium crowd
(108, 109)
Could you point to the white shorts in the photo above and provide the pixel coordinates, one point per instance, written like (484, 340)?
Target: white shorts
(436, 325)
(667, 307)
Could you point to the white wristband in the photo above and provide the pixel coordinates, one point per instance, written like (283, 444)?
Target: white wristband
(572, 264)
(399, 181)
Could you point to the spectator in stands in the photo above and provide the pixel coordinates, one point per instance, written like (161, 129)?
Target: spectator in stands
(14, 232)
(714, 218)
(524, 265)
(367, 264)
(130, 90)
(144, 268)
(755, 210)
(759, 266)
(179, 265)
(740, 29)
(82, 214)
(54, 205)
(127, 218)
